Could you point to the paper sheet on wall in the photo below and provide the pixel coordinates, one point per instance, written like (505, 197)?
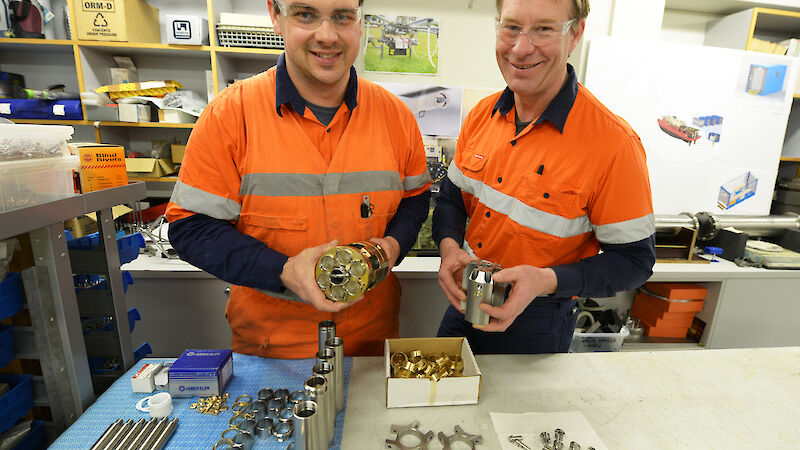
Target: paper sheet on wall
(531, 425)
(712, 120)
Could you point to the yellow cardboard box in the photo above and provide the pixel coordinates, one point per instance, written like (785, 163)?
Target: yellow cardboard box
(149, 167)
(102, 165)
(117, 20)
(177, 153)
(412, 392)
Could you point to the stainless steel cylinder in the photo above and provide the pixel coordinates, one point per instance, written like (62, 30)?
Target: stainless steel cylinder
(248, 426)
(259, 409)
(327, 330)
(480, 287)
(165, 435)
(306, 427)
(264, 428)
(161, 425)
(274, 405)
(758, 225)
(345, 272)
(317, 389)
(285, 414)
(297, 397)
(282, 394)
(337, 344)
(107, 435)
(131, 434)
(283, 431)
(265, 394)
(328, 355)
(142, 435)
(244, 441)
(119, 435)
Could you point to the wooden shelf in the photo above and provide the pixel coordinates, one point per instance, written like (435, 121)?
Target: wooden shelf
(104, 124)
(723, 7)
(249, 50)
(170, 179)
(789, 159)
(51, 122)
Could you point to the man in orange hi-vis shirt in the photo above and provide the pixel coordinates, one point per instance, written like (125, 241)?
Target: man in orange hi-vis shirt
(548, 177)
(286, 164)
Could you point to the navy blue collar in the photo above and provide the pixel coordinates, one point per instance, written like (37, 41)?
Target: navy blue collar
(558, 109)
(286, 92)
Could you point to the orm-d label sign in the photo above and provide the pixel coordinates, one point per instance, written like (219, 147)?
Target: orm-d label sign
(107, 6)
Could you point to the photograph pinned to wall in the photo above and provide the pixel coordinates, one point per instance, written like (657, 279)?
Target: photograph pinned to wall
(402, 44)
(764, 82)
(737, 190)
(700, 129)
(436, 108)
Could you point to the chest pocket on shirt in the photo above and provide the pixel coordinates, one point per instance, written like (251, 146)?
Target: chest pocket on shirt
(288, 235)
(552, 196)
(475, 163)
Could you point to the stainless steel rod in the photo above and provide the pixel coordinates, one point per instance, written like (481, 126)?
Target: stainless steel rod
(327, 330)
(758, 225)
(119, 435)
(107, 435)
(157, 430)
(165, 435)
(337, 344)
(142, 435)
(131, 434)
(665, 221)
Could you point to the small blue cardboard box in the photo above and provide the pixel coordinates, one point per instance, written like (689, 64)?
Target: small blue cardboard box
(200, 373)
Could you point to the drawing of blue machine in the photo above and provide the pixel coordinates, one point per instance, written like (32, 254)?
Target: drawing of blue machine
(764, 80)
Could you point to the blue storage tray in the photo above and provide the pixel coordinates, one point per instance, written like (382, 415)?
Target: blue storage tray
(17, 401)
(6, 344)
(10, 295)
(35, 439)
(128, 245)
(98, 282)
(133, 316)
(42, 109)
(96, 364)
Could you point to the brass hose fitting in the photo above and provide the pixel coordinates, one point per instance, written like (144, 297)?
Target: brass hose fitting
(345, 272)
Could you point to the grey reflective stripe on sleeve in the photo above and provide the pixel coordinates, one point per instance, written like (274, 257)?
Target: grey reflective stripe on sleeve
(199, 201)
(518, 211)
(626, 231)
(417, 181)
(310, 185)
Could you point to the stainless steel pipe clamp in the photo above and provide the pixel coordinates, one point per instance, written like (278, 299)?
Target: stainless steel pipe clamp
(480, 288)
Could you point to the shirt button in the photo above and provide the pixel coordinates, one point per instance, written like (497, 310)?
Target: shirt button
(499, 179)
(546, 195)
(488, 214)
(329, 130)
(480, 245)
(513, 142)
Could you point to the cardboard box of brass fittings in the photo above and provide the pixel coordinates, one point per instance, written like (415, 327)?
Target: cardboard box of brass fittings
(425, 372)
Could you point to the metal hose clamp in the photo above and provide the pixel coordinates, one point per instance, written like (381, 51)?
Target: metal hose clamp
(480, 287)
(345, 272)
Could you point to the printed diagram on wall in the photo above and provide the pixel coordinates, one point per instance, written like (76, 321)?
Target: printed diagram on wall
(737, 190)
(404, 44)
(700, 128)
(765, 80)
(436, 108)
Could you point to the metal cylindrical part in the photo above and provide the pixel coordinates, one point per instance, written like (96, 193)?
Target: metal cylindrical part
(119, 435)
(264, 428)
(282, 394)
(165, 435)
(248, 426)
(669, 221)
(758, 225)
(297, 397)
(259, 409)
(327, 330)
(107, 435)
(306, 427)
(328, 355)
(151, 438)
(481, 289)
(244, 441)
(131, 434)
(337, 344)
(265, 394)
(317, 389)
(142, 435)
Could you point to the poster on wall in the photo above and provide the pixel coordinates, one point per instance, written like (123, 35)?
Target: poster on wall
(436, 108)
(712, 120)
(403, 44)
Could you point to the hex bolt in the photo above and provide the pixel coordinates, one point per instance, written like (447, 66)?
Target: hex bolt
(545, 437)
(558, 445)
(517, 439)
(574, 446)
(559, 434)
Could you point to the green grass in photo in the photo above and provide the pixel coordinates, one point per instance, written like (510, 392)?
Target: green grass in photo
(418, 62)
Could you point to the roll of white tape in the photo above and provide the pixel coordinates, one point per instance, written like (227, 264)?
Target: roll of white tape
(158, 405)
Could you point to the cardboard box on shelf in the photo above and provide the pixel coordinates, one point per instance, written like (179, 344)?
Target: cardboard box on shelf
(125, 72)
(134, 112)
(177, 153)
(105, 113)
(678, 291)
(102, 165)
(186, 29)
(149, 167)
(117, 20)
(410, 392)
(175, 116)
(80, 226)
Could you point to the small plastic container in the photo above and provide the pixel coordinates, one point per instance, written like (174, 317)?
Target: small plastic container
(35, 439)
(21, 142)
(128, 246)
(6, 344)
(10, 295)
(598, 342)
(17, 401)
(32, 182)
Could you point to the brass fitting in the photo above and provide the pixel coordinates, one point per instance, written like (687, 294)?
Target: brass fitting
(345, 272)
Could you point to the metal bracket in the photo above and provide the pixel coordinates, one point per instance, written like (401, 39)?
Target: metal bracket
(409, 430)
(460, 436)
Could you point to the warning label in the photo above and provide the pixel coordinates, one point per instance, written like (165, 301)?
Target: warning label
(107, 6)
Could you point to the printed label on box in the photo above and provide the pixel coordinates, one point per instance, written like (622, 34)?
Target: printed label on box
(102, 167)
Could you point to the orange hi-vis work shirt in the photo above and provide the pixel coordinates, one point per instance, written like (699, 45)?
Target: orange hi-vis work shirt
(287, 180)
(549, 196)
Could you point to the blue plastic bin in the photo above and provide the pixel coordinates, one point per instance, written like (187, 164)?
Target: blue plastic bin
(10, 295)
(35, 439)
(98, 282)
(17, 401)
(128, 245)
(133, 316)
(6, 344)
(96, 364)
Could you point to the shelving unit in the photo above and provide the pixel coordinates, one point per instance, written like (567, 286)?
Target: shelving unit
(56, 337)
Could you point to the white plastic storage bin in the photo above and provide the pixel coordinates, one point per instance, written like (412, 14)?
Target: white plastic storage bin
(34, 181)
(20, 142)
(598, 342)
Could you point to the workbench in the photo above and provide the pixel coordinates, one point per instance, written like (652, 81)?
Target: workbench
(733, 398)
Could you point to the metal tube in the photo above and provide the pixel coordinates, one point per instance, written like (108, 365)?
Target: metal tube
(337, 344)
(317, 389)
(143, 433)
(758, 225)
(151, 438)
(119, 435)
(131, 435)
(107, 435)
(327, 330)
(306, 425)
(668, 221)
(328, 355)
(165, 435)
